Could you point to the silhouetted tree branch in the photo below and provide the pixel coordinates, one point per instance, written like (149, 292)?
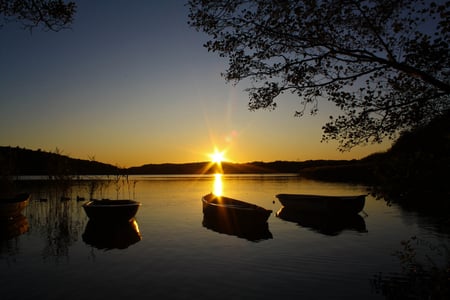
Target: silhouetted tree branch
(50, 14)
(384, 63)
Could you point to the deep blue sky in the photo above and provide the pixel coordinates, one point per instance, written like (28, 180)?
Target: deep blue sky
(130, 83)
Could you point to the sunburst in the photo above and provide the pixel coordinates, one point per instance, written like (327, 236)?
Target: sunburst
(218, 156)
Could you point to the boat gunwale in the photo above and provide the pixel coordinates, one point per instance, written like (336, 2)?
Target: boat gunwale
(233, 206)
(98, 203)
(241, 205)
(314, 196)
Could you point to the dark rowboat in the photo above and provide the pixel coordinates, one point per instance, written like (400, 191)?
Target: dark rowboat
(323, 204)
(235, 210)
(111, 210)
(13, 206)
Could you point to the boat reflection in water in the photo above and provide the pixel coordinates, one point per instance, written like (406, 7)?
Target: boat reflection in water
(327, 224)
(245, 229)
(12, 227)
(111, 235)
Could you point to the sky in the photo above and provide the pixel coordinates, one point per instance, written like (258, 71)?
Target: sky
(130, 83)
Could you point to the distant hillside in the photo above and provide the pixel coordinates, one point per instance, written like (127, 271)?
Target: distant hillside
(19, 161)
(419, 159)
(417, 163)
(230, 168)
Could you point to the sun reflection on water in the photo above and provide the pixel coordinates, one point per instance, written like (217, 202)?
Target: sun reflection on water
(218, 185)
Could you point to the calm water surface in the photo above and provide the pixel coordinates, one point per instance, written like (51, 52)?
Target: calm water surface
(169, 252)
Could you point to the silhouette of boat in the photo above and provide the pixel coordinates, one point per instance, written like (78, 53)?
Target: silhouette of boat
(13, 206)
(327, 224)
(233, 210)
(111, 210)
(109, 235)
(323, 204)
(13, 226)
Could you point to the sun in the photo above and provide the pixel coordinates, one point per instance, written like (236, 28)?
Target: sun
(218, 156)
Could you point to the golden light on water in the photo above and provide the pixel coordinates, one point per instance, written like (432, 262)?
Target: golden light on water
(218, 185)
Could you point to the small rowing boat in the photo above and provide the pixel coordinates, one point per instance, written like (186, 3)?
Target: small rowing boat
(111, 210)
(233, 209)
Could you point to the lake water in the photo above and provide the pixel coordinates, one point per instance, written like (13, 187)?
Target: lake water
(169, 252)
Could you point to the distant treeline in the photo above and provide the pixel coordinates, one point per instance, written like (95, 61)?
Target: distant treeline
(232, 168)
(418, 164)
(20, 161)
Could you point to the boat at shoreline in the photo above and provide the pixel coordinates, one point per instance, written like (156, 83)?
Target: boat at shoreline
(323, 203)
(13, 206)
(111, 210)
(233, 210)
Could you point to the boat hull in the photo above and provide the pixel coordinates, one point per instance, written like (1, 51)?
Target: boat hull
(11, 207)
(323, 204)
(111, 210)
(233, 210)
